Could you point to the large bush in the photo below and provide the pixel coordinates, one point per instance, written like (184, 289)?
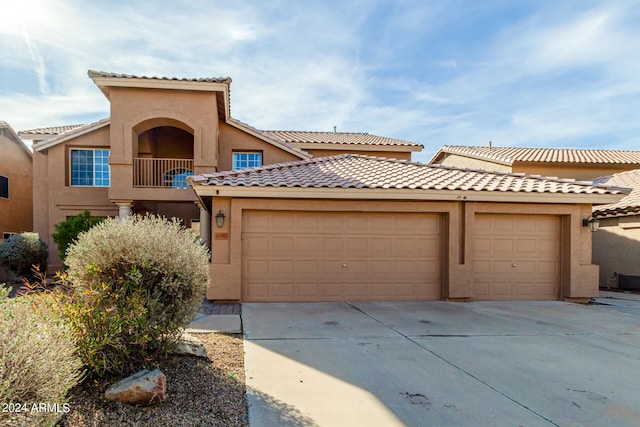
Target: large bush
(67, 231)
(135, 283)
(38, 364)
(22, 252)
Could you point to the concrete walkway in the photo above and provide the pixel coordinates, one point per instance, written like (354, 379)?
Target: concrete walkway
(441, 364)
(223, 318)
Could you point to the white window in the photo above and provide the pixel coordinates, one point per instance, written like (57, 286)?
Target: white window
(90, 168)
(4, 187)
(243, 160)
(6, 235)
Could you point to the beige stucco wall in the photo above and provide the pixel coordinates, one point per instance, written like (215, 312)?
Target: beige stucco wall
(233, 139)
(616, 248)
(16, 213)
(54, 199)
(579, 278)
(402, 155)
(462, 162)
(584, 172)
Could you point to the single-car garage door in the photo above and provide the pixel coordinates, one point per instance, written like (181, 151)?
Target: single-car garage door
(340, 256)
(516, 257)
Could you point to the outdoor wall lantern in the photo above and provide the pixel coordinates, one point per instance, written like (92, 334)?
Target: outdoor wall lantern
(220, 219)
(592, 223)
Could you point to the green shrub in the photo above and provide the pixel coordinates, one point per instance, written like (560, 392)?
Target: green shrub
(67, 231)
(135, 283)
(22, 252)
(38, 364)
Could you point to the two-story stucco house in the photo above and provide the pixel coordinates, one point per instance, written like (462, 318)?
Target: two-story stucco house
(316, 216)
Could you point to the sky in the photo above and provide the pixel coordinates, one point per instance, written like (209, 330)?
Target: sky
(524, 73)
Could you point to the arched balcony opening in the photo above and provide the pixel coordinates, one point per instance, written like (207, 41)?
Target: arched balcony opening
(163, 153)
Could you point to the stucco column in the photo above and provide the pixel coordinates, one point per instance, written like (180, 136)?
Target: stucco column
(205, 225)
(124, 209)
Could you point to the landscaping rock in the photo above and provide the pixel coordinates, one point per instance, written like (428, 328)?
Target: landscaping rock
(190, 346)
(142, 388)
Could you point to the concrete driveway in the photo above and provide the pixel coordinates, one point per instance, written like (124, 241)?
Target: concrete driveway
(441, 364)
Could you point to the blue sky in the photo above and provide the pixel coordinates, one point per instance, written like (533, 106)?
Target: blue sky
(534, 73)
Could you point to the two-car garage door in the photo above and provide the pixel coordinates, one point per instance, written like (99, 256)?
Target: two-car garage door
(359, 256)
(338, 256)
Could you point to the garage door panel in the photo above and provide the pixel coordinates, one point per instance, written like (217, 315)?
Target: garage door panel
(333, 256)
(504, 246)
(523, 261)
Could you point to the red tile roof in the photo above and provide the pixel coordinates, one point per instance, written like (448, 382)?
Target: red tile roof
(358, 171)
(349, 138)
(93, 74)
(630, 204)
(509, 155)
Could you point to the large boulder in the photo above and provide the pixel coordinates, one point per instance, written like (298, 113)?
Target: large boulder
(142, 388)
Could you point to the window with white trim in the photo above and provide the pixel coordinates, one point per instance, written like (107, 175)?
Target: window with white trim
(7, 234)
(4, 187)
(243, 160)
(90, 168)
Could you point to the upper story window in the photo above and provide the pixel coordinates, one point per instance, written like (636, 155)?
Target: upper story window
(90, 168)
(4, 187)
(243, 160)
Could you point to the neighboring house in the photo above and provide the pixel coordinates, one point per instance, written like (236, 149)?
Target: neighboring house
(355, 227)
(559, 162)
(160, 131)
(16, 184)
(616, 245)
(288, 221)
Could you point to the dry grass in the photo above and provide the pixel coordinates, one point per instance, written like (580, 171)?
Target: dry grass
(199, 392)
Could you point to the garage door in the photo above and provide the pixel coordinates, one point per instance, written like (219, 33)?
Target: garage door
(516, 257)
(340, 256)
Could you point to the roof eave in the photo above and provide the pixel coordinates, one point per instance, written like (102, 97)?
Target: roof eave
(58, 139)
(401, 194)
(338, 146)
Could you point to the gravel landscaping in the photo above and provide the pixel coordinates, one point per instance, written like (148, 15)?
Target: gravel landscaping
(199, 392)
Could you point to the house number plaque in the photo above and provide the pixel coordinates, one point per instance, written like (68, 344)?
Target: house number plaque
(221, 236)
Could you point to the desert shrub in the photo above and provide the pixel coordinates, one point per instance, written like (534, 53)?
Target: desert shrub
(135, 283)
(38, 364)
(22, 252)
(67, 231)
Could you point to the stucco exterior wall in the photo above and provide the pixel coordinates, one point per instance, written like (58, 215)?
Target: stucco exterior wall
(402, 155)
(233, 139)
(462, 162)
(582, 172)
(54, 199)
(616, 248)
(579, 278)
(16, 212)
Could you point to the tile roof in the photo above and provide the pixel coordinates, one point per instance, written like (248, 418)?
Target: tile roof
(359, 171)
(349, 138)
(508, 155)
(628, 205)
(105, 74)
(49, 131)
(73, 132)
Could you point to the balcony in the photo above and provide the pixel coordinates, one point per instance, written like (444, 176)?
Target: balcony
(161, 173)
